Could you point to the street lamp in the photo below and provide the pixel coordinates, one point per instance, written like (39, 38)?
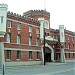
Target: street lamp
(44, 43)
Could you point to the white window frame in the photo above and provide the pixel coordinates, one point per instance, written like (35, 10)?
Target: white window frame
(37, 30)
(30, 28)
(38, 55)
(30, 41)
(9, 23)
(30, 55)
(46, 23)
(18, 39)
(37, 41)
(19, 26)
(8, 54)
(18, 55)
(8, 38)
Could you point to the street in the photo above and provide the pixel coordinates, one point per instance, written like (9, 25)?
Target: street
(49, 69)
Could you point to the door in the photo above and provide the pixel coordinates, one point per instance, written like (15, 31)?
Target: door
(48, 57)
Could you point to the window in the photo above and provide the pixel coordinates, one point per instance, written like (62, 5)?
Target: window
(73, 46)
(68, 37)
(8, 38)
(30, 28)
(58, 56)
(30, 54)
(65, 44)
(38, 57)
(8, 54)
(30, 41)
(18, 55)
(19, 26)
(68, 55)
(68, 46)
(46, 24)
(73, 55)
(1, 19)
(37, 30)
(18, 39)
(72, 38)
(9, 23)
(37, 41)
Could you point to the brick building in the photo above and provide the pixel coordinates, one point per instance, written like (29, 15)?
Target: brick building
(23, 40)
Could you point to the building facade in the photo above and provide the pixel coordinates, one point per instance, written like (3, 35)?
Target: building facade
(23, 40)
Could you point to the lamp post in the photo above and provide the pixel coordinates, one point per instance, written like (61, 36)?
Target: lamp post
(44, 44)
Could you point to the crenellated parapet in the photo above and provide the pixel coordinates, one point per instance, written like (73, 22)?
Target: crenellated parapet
(4, 6)
(36, 12)
(22, 17)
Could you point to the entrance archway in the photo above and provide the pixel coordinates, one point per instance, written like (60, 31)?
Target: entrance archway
(50, 55)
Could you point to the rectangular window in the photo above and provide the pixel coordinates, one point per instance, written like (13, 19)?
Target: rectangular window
(59, 56)
(8, 38)
(38, 55)
(18, 55)
(9, 23)
(37, 30)
(46, 24)
(1, 19)
(73, 55)
(73, 46)
(65, 44)
(37, 41)
(68, 37)
(30, 54)
(68, 46)
(30, 41)
(72, 38)
(68, 55)
(19, 26)
(30, 28)
(18, 39)
(8, 54)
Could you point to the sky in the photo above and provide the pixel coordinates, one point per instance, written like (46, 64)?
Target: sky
(62, 12)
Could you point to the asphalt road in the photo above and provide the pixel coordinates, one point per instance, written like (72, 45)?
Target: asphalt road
(60, 69)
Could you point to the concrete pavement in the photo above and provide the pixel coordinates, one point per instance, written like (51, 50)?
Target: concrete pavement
(49, 69)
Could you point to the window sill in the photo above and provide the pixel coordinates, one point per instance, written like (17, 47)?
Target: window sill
(18, 60)
(30, 59)
(8, 60)
(37, 59)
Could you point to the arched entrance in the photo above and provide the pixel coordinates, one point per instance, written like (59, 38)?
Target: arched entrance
(49, 54)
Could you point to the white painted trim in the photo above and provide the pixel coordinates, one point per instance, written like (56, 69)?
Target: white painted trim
(23, 22)
(23, 63)
(66, 52)
(52, 52)
(22, 49)
(21, 44)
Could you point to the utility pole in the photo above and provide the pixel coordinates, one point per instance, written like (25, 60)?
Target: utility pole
(44, 45)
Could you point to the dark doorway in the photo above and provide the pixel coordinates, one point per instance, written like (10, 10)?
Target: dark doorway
(48, 57)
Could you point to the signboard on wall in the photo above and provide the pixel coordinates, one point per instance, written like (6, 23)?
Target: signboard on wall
(61, 30)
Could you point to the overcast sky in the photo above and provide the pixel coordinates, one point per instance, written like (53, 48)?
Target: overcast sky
(62, 12)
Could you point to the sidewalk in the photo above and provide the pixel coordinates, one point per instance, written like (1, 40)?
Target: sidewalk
(32, 66)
